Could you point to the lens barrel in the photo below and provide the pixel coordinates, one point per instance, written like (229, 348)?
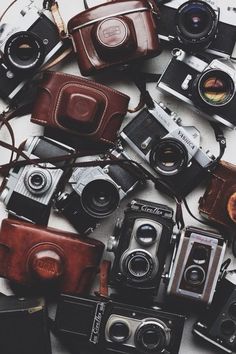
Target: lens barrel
(196, 24)
(24, 52)
(100, 198)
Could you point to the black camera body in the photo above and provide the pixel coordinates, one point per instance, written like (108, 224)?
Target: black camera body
(112, 327)
(97, 191)
(206, 84)
(197, 265)
(140, 245)
(26, 44)
(24, 326)
(29, 190)
(172, 150)
(196, 25)
(218, 327)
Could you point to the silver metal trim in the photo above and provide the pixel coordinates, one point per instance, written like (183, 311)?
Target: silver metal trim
(211, 341)
(106, 17)
(165, 88)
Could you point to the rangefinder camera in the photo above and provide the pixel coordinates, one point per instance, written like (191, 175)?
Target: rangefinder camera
(47, 258)
(29, 189)
(24, 326)
(97, 191)
(114, 34)
(218, 204)
(198, 25)
(171, 149)
(140, 245)
(218, 326)
(197, 265)
(30, 40)
(112, 327)
(206, 84)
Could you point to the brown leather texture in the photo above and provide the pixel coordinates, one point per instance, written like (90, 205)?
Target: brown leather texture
(80, 107)
(218, 203)
(32, 255)
(114, 33)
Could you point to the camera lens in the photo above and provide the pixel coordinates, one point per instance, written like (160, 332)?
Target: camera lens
(119, 332)
(200, 255)
(24, 51)
(100, 198)
(228, 327)
(38, 181)
(138, 266)
(232, 311)
(146, 234)
(215, 88)
(196, 23)
(168, 157)
(194, 275)
(152, 337)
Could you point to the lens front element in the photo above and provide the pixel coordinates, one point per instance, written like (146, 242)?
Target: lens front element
(24, 51)
(196, 24)
(119, 331)
(168, 157)
(37, 180)
(146, 235)
(216, 88)
(100, 198)
(152, 337)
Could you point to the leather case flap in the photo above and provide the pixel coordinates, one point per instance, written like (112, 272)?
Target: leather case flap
(80, 108)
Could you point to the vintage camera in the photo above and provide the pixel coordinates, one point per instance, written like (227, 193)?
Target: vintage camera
(114, 34)
(218, 326)
(113, 327)
(196, 25)
(197, 265)
(24, 327)
(97, 191)
(29, 190)
(47, 258)
(31, 40)
(207, 84)
(171, 149)
(219, 200)
(140, 245)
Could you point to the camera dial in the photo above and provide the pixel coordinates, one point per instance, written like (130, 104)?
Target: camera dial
(37, 180)
(100, 198)
(168, 157)
(24, 51)
(214, 88)
(196, 24)
(152, 336)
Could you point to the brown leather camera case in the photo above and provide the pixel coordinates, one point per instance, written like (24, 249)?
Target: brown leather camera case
(114, 33)
(218, 203)
(32, 255)
(79, 106)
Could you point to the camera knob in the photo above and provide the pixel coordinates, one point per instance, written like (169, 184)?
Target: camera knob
(46, 264)
(111, 244)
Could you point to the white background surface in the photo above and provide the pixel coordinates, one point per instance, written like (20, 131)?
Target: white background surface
(23, 129)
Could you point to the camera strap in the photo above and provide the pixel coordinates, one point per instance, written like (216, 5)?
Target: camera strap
(103, 279)
(220, 138)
